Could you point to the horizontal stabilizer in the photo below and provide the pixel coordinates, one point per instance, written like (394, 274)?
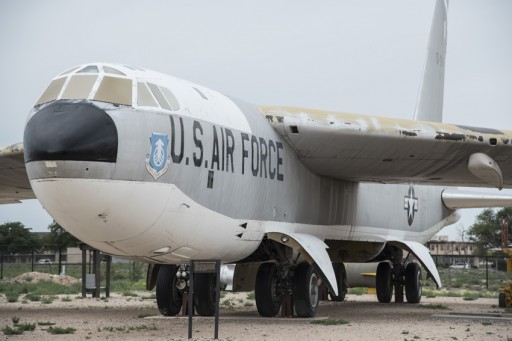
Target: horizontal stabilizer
(454, 199)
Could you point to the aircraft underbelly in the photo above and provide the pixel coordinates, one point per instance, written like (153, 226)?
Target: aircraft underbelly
(147, 220)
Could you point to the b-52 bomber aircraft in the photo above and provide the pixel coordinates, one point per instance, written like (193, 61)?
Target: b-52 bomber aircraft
(153, 168)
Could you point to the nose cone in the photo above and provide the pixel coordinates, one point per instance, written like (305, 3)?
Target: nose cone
(77, 131)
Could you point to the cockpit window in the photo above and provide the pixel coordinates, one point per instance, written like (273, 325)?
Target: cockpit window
(115, 90)
(144, 97)
(171, 99)
(111, 70)
(69, 71)
(159, 96)
(79, 86)
(52, 91)
(89, 69)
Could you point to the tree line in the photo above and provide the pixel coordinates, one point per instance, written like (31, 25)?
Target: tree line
(15, 238)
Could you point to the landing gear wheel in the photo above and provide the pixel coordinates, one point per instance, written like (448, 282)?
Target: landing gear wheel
(413, 287)
(204, 294)
(168, 298)
(341, 278)
(268, 299)
(384, 282)
(306, 294)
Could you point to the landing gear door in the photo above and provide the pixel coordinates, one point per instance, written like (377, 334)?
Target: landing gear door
(314, 250)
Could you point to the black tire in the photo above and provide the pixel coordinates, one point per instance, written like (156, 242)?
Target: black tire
(413, 285)
(384, 282)
(204, 294)
(268, 298)
(341, 278)
(168, 298)
(501, 300)
(306, 294)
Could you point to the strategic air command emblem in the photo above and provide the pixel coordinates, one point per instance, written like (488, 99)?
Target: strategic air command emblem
(158, 159)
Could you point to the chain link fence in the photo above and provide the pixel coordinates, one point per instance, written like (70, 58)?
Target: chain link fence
(60, 261)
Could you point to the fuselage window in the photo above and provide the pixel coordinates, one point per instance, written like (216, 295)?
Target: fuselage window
(200, 93)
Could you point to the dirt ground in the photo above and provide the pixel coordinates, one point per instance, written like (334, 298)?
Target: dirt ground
(136, 318)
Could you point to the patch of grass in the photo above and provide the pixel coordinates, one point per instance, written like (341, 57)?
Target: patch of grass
(434, 306)
(15, 319)
(60, 330)
(141, 316)
(48, 299)
(129, 294)
(227, 303)
(46, 323)
(251, 296)
(248, 304)
(33, 297)
(143, 327)
(26, 327)
(12, 297)
(357, 291)
(508, 310)
(11, 331)
(66, 299)
(487, 323)
(405, 332)
(470, 296)
(329, 322)
(150, 297)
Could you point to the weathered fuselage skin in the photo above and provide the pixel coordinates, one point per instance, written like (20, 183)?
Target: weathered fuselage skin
(229, 179)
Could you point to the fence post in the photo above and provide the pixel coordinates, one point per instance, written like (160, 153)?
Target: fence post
(486, 272)
(60, 260)
(33, 258)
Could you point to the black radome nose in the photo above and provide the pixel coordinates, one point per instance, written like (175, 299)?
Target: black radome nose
(77, 131)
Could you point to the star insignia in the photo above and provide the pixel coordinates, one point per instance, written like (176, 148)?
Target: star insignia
(410, 205)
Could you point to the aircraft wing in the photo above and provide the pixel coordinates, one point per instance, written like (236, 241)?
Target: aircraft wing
(366, 148)
(14, 183)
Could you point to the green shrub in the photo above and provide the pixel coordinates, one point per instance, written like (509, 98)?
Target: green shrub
(11, 331)
(61, 330)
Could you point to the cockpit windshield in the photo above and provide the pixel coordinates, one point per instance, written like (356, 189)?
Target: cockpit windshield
(116, 84)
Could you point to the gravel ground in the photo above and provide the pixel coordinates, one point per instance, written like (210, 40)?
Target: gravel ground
(136, 318)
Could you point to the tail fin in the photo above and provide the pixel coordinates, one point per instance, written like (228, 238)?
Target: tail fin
(429, 106)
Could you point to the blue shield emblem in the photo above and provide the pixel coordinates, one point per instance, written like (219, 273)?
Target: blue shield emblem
(158, 159)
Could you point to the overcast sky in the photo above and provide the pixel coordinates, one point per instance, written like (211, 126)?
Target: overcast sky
(354, 56)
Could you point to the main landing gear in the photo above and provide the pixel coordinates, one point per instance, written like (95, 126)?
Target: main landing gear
(171, 285)
(397, 277)
(274, 282)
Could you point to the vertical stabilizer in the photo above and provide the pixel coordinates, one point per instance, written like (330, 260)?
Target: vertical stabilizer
(430, 99)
